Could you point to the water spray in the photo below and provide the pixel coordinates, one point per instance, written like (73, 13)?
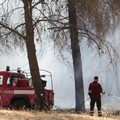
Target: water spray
(109, 94)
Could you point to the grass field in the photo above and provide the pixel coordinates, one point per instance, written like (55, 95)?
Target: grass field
(52, 115)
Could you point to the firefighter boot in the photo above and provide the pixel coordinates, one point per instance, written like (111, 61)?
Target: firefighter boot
(91, 113)
(99, 113)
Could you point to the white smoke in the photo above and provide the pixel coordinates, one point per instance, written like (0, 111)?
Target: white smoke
(63, 80)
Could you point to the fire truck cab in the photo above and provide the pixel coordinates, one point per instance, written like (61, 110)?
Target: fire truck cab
(16, 90)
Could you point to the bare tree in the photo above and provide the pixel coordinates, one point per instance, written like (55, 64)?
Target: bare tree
(76, 55)
(91, 20)
(31, 51)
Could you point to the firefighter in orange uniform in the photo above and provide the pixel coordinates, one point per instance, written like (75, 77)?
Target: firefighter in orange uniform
(95, 91)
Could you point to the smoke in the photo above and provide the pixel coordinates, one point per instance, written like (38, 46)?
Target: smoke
(62, 75)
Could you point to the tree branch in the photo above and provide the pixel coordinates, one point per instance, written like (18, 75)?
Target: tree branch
(13, 31)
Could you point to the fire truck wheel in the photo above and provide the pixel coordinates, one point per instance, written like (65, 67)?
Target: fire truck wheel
(19, 105)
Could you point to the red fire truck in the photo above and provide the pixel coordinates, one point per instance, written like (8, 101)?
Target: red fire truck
(17, 91)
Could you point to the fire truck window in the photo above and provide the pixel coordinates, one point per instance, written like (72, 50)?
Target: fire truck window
(8, 81)
(1, 79)
(12, 80)
(30, 83)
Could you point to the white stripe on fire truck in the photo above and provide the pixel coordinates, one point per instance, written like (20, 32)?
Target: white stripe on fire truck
(24, 91)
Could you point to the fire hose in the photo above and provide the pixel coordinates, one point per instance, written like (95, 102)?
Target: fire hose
(109, 94)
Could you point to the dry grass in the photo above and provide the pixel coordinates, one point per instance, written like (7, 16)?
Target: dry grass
(52, 115)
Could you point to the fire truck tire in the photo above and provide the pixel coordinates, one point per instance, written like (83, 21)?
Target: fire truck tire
(19, 105)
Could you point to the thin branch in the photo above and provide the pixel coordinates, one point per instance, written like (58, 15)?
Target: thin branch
(14, 31)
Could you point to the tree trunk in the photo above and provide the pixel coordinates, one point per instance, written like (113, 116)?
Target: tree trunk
(31, 52)
(76, 55)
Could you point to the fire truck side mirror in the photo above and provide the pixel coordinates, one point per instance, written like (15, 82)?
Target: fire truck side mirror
(44, 83)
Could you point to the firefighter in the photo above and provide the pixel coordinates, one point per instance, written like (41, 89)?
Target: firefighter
(95, 91)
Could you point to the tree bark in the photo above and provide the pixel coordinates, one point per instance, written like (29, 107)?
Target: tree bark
(76, 55)
(31, 52)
